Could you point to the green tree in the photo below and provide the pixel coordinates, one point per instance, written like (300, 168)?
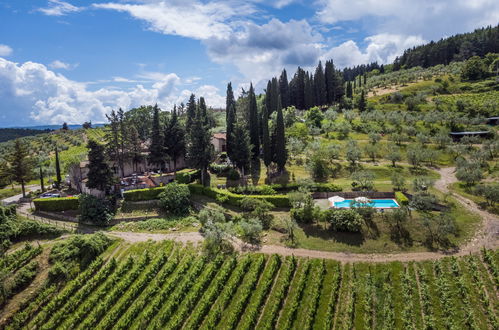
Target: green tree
(398, 181)
(284, 90)
(230, 118)
(175, 199)
(474, 69)
(469, 172)
(99, 174)
(394, 156)
(253, 124)
(266, 143)
(281, 154)
(156, 150)
(241, 155)
(199, 147)
(21, 165)
(58, 176)
(320, 86)
(353, 152)
(174, 140)
(314, 116)
(191, 113)
(250, 230)
(363, 180)
(361, 102)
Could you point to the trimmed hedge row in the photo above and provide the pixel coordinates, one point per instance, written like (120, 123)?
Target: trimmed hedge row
(401, 198)
(319, 187)
(143, 194)
(234, 199)
(187, 175)
(56, 204)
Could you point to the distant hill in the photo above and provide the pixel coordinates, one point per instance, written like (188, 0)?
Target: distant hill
(50, 127)
(7, 134)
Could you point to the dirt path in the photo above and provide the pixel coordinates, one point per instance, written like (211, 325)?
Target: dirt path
(486, 236)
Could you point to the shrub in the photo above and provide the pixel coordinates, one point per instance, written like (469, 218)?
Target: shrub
(258, 209)
(187, 175)
(401, 198)
(250, 230)
(175, 199)
(235, 199)
(95, 210)
(143, 194)
(211, 214)
(343, 220)
(56, 204)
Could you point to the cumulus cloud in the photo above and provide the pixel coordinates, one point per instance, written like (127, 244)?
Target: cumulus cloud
(430, 18)
(31, 90)
(381, 48)
(62, 65)
(59, 8)
(5, 50)
(192, 19)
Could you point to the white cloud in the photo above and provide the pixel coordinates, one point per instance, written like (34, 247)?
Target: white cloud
(30, 90)
(5, 50)
(431, 18)
(381, 48)
(59, 8)
(62, 65)
(188, 18)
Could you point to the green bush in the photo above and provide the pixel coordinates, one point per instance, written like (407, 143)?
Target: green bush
(347, 220)
(57, 204)
(187, 175)
(401, 198)
(95, 210)
(235, 199)
(143, 194)
(175, 199)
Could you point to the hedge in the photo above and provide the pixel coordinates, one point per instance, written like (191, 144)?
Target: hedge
(319, 187)
(187, 175)
(56, 204)
(401, 198)
(234, 199)
(143, 194)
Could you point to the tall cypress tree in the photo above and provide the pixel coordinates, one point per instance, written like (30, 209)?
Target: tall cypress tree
(274, 95)
(174, 141)
(330, 82)
(42, 185)
(268, 97)
(300, 88)
(99, 174)
(284, 90)
(320, 85)
(309, 92)
(199, 148)
(253, 124)
(362, 101)
(349, 92)
(191, 112)
(231, 121)
(281, 155)
(58, 178)
(266, 143)
(242, 153)
(156, 150)
(229, 100)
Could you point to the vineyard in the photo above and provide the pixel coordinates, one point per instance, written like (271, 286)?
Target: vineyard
(172, 287)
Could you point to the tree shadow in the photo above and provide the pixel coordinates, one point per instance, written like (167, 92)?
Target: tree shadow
(354, 239)
(401, 236)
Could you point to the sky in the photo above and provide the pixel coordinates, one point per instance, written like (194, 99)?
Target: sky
(73, 61)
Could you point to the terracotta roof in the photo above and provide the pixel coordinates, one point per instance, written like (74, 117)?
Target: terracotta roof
(220, 136)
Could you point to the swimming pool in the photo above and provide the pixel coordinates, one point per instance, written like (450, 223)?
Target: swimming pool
(376, 203)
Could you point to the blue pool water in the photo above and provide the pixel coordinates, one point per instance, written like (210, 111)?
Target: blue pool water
(377, 203)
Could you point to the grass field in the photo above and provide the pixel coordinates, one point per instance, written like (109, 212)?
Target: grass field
(173, 287)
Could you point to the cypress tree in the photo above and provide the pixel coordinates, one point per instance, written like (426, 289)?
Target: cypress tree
(266, 143)
(340, 86)
(330, 82)
(349, 92)
(199, 148)
(300, 88)
(229, 100)
(284, 90)
(58, 178)
(174, 141)
(204, 110)
(281, 155)
(191, 112)
(362, 101)
(365, 79)
(268, 97)
(42, 185)
(99, 174)
(320, 86)
(231, 121)
(156, 150)
(274, 95)
(309, 92)
(242, 153)
(253, 124)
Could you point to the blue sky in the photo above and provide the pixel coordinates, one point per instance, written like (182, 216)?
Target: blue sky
(76, 60)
